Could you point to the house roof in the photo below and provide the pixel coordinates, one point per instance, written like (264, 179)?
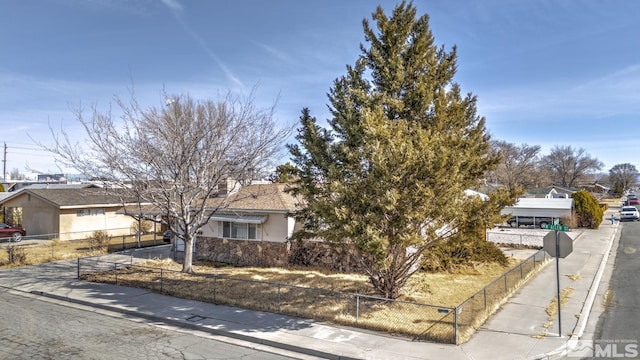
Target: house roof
(259, 197)
(252, 198)
(538, 203)
(59, 186)
(74, 197)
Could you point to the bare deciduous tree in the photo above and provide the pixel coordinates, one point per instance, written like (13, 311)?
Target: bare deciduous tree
(567, 165)
(623, 177)
(15, 174)
(519, 168)
(175, 156)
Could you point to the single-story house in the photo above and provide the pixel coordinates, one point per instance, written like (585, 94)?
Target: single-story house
(250, 227)
(69, 213)
(256, 212)
(538, 207)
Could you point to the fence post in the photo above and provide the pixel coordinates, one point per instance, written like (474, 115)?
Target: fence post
(484, 294)
(161, 280)
(278, 297)
(521, 276)
(357, 307)
(78, 268)
(214, 288)
(123, 248)
(505, 283)
(455, 325)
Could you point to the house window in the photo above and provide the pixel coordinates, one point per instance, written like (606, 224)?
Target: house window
(90, 212)
(241, 231)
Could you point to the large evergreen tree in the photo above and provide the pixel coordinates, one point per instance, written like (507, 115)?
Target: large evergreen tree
(388, 176)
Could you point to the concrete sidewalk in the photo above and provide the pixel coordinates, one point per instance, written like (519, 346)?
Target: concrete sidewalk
(517, 331)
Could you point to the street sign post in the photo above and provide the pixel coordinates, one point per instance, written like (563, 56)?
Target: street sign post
(564, 241)
(559, 245)
(557, 227)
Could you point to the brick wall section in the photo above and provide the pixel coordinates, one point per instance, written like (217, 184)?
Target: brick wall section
(264, 253)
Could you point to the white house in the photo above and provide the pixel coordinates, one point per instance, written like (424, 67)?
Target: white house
(250, 227)
(537, 207)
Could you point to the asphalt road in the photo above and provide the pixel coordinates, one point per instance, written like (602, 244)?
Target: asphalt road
(38, 329)
(618, 324)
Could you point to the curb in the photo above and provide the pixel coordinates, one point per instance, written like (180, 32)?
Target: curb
(186, 325)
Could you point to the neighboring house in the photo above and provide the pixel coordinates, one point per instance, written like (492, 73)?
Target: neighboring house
(73, 213)
(537, 207)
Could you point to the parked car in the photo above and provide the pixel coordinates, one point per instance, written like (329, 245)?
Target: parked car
(166, 236)
(540, 221)
(629, 213)
(634, 201)
(11, 232)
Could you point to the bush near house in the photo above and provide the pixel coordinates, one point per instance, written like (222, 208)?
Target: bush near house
(146, 226)
(589, 213)
(462, 251)
(99, 240)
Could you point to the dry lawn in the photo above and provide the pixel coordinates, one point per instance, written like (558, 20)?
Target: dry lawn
(319, 294)
(442, 289)
(31, 254)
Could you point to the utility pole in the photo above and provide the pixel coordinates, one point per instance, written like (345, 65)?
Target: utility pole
(4, 163)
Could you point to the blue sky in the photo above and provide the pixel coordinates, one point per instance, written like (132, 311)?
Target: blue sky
(546, 72)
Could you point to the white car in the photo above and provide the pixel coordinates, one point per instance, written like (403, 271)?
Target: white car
(629, 213)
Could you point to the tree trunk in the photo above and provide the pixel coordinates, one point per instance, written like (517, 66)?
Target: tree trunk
(187, 264)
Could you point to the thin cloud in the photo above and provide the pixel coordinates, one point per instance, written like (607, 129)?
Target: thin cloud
(615, 77)
(173, 5)
(177, 9)
(274, 52)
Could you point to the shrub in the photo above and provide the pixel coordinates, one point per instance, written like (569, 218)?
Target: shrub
(17, 255)
(589, 213)
(99, 240)
(569, 221)
(145, 226)
(462, 250)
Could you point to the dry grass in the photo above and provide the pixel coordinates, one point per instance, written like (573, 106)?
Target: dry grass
(611, 201)
(574, 277)
(443, 289)
(552, 309)
(330, 296)
(608, 300)
(60, 250)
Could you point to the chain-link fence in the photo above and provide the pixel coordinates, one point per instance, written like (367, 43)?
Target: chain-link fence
(418, 321)
(36, 249)
(474, 311)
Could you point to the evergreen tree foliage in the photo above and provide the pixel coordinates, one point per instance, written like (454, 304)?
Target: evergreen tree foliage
(588, 211)
(388, 175)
